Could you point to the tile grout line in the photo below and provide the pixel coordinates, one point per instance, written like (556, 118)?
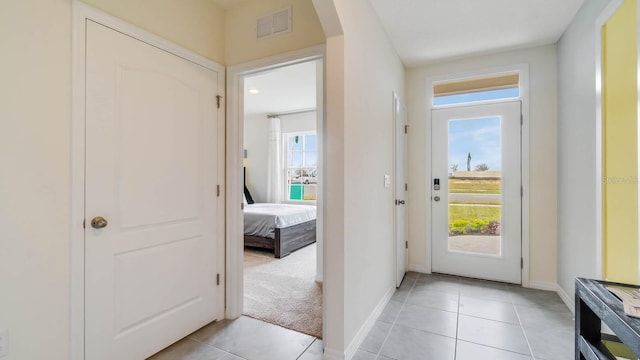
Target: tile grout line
(307, 348)
(214, 347)
(526, 338)
(455, 347)
(396, 317)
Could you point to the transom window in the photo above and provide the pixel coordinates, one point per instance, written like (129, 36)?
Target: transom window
(301, 172)
(493, 87)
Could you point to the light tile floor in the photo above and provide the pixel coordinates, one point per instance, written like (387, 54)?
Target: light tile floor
(436, 317)
(446, 317)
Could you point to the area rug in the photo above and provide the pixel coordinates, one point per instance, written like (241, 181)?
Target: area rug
(284, 291)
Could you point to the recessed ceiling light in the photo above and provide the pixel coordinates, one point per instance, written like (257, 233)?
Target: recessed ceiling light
(254, 91)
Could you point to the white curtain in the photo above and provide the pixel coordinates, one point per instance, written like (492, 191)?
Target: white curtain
(275, 185)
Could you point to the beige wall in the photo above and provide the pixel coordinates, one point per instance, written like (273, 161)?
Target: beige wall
(241, 43)
(35, 108)
(35, 98)
(197, 25)
(542, 157)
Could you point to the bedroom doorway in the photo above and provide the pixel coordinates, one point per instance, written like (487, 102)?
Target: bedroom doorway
(282, 177)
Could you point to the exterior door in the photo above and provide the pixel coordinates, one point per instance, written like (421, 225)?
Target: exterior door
(476, 191)
(153, 220)
(400, 214)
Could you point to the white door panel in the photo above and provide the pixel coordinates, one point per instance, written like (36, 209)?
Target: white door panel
(400, 221)
(152, 165)
(476, 225)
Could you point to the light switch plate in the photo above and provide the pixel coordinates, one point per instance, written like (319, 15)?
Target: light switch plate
(387, 181)
(4, 342)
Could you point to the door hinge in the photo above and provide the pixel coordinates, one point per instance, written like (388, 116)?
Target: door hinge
(218, 190)
(218, 279)
(218, 99)
(406, 129)
(521, 119)
(521, 191)
(406, 187)
(241, 206)
(84, 226)
(406, 244)
(521, 263)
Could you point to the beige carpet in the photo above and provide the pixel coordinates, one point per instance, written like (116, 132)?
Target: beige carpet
(284, 291)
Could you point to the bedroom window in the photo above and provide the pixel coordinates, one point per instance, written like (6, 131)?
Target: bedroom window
(301, 172)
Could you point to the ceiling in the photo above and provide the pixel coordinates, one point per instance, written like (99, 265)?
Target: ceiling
(290, 88)
(425, 31)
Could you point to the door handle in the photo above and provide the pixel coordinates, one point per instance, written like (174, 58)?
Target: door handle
(99, 222)
(436, 198)
(399, 202)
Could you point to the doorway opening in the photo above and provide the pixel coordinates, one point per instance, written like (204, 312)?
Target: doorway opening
(282, 172)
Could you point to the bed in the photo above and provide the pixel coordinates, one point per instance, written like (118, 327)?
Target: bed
(283, 228)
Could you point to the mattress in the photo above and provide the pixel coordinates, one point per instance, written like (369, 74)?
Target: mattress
(261, 219)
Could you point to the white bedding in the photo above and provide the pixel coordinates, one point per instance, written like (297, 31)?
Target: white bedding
(262, 219)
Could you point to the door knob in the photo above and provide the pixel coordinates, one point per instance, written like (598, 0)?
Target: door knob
(436, 198)
(98, 222)
(399, 202)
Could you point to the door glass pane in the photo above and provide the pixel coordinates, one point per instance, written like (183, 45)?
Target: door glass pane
(475, 186)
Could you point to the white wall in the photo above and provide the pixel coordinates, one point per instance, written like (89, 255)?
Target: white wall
(256, 142)
(362, 72)
(542, 160)
(576, 147)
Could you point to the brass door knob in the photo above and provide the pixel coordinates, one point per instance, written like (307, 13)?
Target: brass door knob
(98, 222)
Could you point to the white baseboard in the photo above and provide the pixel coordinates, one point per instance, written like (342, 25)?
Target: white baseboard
(353, 346)
(543, 285)
(418, 268)
(568, 300)
(330, 354)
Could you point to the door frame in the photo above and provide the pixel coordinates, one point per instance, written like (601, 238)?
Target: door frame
(601, 21)
(523, 70)
(80, 14)
(234, 169)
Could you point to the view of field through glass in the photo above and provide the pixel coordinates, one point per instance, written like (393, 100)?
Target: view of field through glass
(475, 186)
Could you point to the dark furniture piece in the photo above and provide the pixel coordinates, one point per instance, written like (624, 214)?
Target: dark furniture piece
(287, 239)
(594, 303)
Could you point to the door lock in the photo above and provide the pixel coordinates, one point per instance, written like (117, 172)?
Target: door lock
(98, 222)
(399, 202)
(436, 198)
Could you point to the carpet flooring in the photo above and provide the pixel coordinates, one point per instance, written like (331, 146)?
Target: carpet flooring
(284, 291)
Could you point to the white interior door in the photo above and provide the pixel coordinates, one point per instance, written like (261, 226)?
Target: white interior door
(400, 213)
(476, 212)
(153, 161)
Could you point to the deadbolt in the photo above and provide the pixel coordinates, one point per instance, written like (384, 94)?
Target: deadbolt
(98, 222)
(436, 198)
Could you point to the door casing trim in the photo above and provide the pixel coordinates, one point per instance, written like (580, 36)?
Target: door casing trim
(80, 14)
(523, 70)
(234, 179)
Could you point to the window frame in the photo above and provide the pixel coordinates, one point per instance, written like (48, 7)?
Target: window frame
(286, 168)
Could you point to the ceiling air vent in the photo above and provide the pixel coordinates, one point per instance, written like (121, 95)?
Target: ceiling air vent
(278, 22)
